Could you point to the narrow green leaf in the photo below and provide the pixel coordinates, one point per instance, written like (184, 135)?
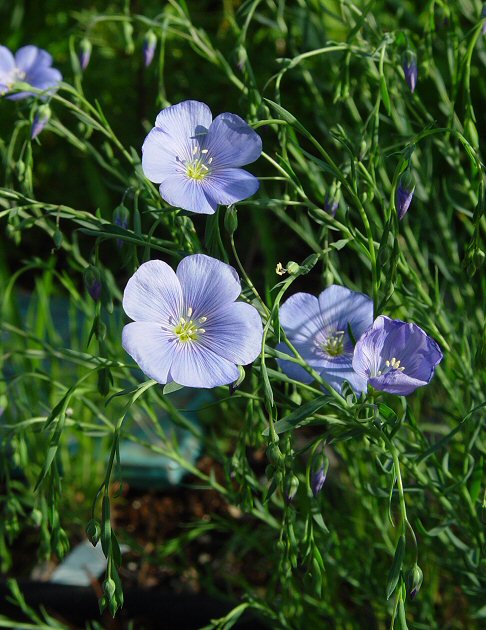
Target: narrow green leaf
(302, 413)
(396, 567)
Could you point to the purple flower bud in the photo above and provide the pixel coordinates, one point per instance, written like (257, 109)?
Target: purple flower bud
(92, 282)
(41, 118)
(85, 48)
(483, 15)
(405, 192)
(331, 205)
(121, 217)
(149, 45)
(319, 474)
(410, 69)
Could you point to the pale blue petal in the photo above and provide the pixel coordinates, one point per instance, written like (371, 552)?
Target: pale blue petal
(154, 294)
(32, 59)
(396, 382)
(151, 347)
(229, 185)
(232, 142)
(300, 317)
(341, 307)
(208, 284)
(159, 156)
(338, 373)
(44, 78)
(7, 61)
(183, 192)
(197, 366)
(234, 332)
(187, 123)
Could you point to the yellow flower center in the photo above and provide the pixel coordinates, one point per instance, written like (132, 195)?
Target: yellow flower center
(187, 329)
(200, 165)
(393, 364)
(334, 343)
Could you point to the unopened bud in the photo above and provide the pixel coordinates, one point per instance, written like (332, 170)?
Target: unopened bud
(85, 48)
(483, 16)
(41, 118)
(410, 69)
(292, 487)
(405, 192)
(109, 588)
(231, 220)
(121, 216)
(93, 531)
(414, 581)
(92, 282)
(149, 46)
(293, 267)
(319, 474)
(274, 454)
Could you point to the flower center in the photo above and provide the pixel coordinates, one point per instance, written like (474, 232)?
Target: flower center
(333, 344)
(187, 329)
(393, 364)
(10, 78)
(199, 166)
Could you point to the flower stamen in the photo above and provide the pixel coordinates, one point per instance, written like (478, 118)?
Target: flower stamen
(198, 167)
(334, 343)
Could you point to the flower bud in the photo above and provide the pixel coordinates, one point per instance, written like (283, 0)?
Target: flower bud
(109, 588)
(149, 46)
(231, 220)
(292, 487)
(331, 205)
(405, 191)
(85, 48)
(483, 15)
(41, 118)
(274, 454)
(319, 474)
(92, 282)
(93, 531)
(121, 216)
(293, 267)
(410, 69)
(414, 581)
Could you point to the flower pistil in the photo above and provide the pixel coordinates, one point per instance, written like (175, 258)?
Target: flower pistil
(200, 165)
(334, 343)
(187, 329)
(394, 364)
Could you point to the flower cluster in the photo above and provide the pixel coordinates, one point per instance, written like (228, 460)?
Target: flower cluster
(390, 355)
(187, 326)
(30, 65)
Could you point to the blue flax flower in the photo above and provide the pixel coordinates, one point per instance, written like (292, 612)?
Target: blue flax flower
(196, 160)
(319, 329)
(395, 356)
(30, 65)
(188, 327)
